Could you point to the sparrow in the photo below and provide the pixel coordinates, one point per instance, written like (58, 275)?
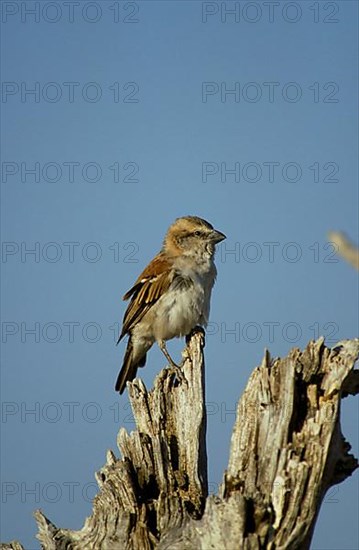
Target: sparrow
(172, 294)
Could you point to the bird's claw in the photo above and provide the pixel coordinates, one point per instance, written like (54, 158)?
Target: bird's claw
(163, 348)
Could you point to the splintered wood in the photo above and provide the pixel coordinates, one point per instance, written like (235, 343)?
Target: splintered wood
(286, 451)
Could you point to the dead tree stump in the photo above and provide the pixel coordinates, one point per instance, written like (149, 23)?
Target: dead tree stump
(287, 450)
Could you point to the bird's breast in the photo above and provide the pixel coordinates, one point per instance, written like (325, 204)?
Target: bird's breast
(185, 305)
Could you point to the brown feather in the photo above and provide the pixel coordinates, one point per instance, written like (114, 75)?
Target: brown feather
(148, 288)
(129, 368)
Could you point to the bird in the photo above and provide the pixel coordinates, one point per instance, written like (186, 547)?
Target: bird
(172, 294)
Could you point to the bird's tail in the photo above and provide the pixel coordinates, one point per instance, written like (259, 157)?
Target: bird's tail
(129, 368)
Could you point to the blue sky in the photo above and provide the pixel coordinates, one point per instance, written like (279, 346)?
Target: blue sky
(141, 112)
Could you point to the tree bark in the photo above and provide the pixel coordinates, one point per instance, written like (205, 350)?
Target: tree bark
(287, 450)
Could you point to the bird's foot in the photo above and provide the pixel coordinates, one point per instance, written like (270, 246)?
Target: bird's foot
(197, 329)
(162, 346)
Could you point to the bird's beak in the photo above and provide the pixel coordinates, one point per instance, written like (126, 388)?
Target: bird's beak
(217, 236)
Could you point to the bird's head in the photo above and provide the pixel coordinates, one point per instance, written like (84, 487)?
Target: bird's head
(191, 236)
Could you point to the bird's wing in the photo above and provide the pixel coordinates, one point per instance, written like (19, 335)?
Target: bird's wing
(153, 282)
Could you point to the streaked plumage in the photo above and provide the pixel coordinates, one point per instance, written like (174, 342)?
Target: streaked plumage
(172, 295)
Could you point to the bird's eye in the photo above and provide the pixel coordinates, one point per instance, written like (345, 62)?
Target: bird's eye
(197, 233)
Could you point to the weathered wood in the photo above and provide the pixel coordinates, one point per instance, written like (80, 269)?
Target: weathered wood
(287, 450)
(161, 480)
(13, 545)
